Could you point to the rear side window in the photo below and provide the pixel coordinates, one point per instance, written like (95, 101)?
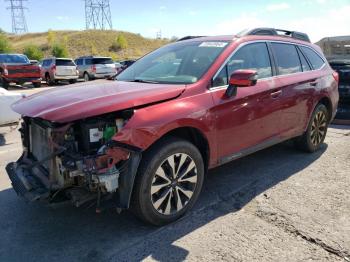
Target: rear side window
(64, 62)
(103, 61)
(253, 56)
(79, 61)
(287, 58)
(315, 60)
(88, 61)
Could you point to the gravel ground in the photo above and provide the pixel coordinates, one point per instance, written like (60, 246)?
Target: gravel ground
(275, 205)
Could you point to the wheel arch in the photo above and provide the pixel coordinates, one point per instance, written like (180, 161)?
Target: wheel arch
(192, 135)
(328, 103)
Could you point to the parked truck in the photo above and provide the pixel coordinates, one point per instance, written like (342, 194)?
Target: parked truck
(16, 68)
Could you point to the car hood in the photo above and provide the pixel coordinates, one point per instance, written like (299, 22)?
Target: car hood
(69, 103)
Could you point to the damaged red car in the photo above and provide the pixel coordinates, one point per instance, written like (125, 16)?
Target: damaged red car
(145, 141)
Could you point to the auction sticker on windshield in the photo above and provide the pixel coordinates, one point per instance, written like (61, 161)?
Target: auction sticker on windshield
(213, 44)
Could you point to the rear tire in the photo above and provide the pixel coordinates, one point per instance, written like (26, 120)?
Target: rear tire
(168, 182)
(86, 77)
(316, 131)
(48, 80)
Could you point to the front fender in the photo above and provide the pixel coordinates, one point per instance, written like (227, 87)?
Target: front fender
(149, 124)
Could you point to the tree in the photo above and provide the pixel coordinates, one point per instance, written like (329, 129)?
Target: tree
(5, 45)
(33, 52)
(59, 50)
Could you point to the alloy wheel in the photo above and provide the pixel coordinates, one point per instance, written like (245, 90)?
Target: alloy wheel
(173, 184)
(318, 128)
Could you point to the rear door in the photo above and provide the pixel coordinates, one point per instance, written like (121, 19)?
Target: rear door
(65, 67)
(298, 87)
(251, 118)
(104, 65)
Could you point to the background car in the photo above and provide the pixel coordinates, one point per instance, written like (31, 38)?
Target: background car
(342, 66)
(57, 69)
(8, 116)
(93, 67)
(16, 68)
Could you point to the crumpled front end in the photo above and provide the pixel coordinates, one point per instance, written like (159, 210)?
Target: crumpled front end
(77, 161)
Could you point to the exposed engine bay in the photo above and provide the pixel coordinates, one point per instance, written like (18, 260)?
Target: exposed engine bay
(77, 161)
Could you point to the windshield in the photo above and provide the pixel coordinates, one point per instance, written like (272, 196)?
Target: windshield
(14, 59)
(64, 62)
(179, 63)
(102, 61)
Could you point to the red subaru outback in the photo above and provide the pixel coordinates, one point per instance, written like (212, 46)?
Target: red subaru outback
(147, 140)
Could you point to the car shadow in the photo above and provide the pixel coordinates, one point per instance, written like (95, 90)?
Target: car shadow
(37, 233)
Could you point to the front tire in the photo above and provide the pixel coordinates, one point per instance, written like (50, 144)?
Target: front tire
(4, 83)
(168, 182)
(316, 131)
(36, 84)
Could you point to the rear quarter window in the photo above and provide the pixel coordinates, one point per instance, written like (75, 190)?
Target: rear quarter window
(314, 58)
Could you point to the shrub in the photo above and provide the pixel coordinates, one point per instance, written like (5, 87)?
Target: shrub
(33, 52)
(5, 45)
(119, 43)
(59, 50)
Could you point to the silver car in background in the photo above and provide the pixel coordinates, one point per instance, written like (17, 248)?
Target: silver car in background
(57, 69)
(93, 67)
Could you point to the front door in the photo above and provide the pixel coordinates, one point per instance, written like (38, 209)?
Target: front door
(252, 117)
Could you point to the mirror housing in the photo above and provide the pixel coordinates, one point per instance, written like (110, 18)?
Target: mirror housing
(241, 78)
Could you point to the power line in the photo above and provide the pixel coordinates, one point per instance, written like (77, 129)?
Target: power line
(98, 14)
(19, 24)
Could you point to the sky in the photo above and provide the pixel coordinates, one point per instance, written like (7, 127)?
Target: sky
(318, 18)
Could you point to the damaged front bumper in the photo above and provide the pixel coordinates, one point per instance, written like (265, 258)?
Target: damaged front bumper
(30, 181)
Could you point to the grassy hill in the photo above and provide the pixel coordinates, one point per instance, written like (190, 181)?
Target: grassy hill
(90, 42)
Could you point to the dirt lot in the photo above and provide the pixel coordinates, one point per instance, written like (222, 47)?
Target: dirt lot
(276, 205)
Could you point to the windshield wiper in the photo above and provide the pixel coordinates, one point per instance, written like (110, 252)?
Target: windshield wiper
(144, 81)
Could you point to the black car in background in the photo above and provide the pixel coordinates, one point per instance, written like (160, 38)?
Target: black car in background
(342, 66)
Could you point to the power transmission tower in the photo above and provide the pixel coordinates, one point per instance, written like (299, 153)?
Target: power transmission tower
(19, 24)
(159, 34)
(98, 14)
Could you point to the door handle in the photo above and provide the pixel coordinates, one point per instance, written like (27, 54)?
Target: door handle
(276, 94)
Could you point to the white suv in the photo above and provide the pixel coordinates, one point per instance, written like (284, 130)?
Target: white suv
(56, 69)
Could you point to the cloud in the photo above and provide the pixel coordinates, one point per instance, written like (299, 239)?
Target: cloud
(192, 13)
(277, 7)
(234, 26)
(162, 8)
(62, 18)
(334, 22)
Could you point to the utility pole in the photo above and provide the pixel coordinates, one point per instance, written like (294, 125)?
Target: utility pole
(19, 24)
(98, 14)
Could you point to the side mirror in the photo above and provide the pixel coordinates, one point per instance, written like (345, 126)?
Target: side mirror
(241, 78)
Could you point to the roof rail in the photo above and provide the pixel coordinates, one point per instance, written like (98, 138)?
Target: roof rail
(276, 32)
(188, 37)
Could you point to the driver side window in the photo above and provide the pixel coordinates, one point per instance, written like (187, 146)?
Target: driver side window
(252, 56)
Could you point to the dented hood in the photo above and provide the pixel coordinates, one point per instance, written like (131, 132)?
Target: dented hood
(69, 103)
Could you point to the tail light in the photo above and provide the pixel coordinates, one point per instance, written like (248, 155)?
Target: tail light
(93, 68)
(336, 76)
(53, 68)
(6, 72)
(76, 70)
